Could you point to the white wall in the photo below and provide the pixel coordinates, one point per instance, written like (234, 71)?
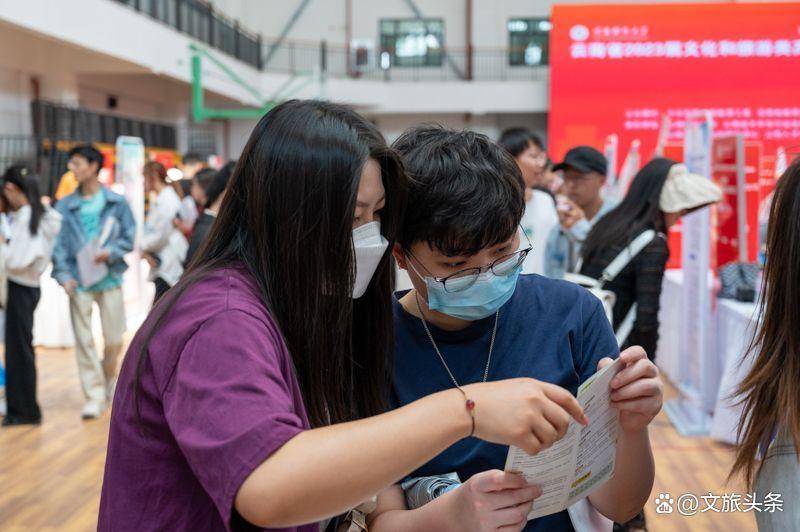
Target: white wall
(322, 19)
(15, 110)
(393, 125)
(238, 133)
(140, 95)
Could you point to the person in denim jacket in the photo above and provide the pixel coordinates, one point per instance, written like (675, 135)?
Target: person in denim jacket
(94, 212)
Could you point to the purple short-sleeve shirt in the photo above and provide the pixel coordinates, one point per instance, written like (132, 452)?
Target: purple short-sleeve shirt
(218, 396)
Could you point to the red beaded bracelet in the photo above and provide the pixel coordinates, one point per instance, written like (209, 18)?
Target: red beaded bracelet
(470, 405)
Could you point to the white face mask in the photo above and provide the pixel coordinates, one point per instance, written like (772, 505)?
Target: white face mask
(369, 245)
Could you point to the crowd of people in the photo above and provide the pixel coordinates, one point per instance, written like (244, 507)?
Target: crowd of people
(277, 356)
(579, 232)
(86, 235)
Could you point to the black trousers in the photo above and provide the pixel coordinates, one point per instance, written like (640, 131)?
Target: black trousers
(20, 358)
(161, 288)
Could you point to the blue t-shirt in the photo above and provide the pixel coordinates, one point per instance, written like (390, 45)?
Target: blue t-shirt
(549, 330)
(90, 213)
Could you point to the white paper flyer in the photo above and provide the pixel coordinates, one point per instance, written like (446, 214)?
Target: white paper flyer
(583, 459)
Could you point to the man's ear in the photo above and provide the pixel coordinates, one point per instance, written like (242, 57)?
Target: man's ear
(399, 256)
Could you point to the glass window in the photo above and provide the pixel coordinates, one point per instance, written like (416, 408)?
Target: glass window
(411, 42)
(528, 41)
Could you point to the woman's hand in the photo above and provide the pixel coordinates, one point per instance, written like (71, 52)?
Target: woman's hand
(524, 412)
(150, 259)
(637, 390)
(493, 501)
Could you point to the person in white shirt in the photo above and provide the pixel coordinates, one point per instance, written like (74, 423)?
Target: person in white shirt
(163, 244)
(31, 238)
(540, 215)
(194, 200)
(191, 164)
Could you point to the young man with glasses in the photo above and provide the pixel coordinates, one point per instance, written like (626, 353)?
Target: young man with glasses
(472, 317)
(579, 205)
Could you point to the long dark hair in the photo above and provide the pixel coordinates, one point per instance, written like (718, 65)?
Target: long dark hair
(770, 394)
(28, 183)
(637, 212)
(287, 218)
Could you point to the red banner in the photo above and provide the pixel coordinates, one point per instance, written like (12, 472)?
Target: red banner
(619, 69)
(725, 234)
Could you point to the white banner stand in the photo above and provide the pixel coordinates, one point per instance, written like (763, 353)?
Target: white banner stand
(129, 181)
(690, 413)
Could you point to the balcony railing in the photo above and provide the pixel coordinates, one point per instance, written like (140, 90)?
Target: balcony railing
(199, 20)
(484, 64)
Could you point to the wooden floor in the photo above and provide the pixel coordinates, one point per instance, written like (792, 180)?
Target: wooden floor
(50, 476)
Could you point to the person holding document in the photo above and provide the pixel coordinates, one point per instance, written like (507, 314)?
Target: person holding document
(254, 395)
(88, 261)
(471, 318)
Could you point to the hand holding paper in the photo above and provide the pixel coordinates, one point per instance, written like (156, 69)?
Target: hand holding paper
(102, 256)
(637, 392)
(91, 272)
(493, 500)
(582, 460)
(90, 266)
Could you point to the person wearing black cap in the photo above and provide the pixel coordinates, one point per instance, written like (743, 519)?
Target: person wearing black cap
(579, 206)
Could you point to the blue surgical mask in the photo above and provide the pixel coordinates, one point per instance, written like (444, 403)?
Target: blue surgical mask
(481, 300)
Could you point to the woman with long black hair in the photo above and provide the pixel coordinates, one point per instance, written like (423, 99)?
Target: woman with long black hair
(241, 400)
(33, 230)
(659, 195)
(770, 393)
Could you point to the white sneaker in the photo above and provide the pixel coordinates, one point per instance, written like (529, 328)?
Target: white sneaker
(111, 386)
(93, 409)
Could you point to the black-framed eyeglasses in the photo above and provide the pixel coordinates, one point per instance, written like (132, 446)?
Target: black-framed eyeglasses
(463, 279)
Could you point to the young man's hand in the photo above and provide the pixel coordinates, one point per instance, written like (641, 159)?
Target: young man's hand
(637, 390)
(570, 214)
(70, 286)
(102, 257)
(493, 501)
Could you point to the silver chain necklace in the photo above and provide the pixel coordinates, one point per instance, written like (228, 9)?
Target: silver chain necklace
(436, 348)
